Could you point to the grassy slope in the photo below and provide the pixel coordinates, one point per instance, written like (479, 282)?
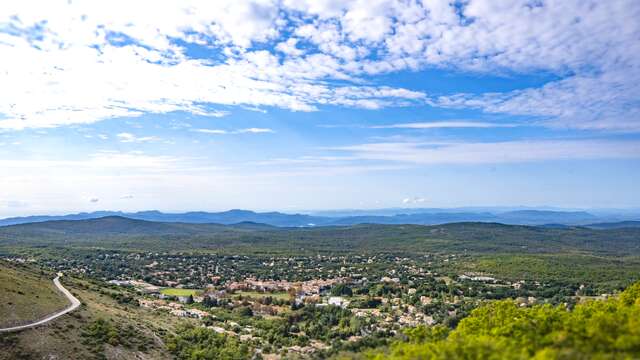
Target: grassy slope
(26, 295)
(62, 338)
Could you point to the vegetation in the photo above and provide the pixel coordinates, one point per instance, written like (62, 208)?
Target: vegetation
(194, 343)
(101, 328)
(464, 290)
(27, 294)
(473, 238)
(503, 330)
(101, 332)
(180, 292)
(279, 295)
(607, 272)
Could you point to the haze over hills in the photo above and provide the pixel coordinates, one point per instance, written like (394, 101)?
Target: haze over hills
(430, 216)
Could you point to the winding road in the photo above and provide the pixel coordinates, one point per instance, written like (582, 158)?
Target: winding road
(75, 303)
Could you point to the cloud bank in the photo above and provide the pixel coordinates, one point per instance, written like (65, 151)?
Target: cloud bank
(83, 61)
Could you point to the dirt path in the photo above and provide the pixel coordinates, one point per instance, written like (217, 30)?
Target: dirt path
(74, 305)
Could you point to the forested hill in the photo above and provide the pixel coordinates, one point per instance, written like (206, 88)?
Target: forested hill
(120, 232)
(389, 217)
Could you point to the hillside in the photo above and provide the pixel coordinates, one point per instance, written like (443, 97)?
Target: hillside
(109, 225)
(615, 225)
(194, 217)
(26, 295)
(601, 329)
(482, 238)
(109, 324)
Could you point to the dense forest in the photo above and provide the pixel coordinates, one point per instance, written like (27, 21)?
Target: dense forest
(123, 233)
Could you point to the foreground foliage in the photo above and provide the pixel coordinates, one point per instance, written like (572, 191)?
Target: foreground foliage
(201, 343)
(607, 329)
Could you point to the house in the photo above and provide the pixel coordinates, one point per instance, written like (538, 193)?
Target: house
(338, 301)
(197, 313)
(180, 313)
(151, 289)
(119, 282)
(425, 300)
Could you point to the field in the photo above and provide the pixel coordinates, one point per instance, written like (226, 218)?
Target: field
(180, 292)
(26, 295)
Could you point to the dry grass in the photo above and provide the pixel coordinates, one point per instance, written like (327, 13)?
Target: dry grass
(27, 295)
(62, 338)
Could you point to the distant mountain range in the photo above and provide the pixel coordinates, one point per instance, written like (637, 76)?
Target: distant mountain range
(427, 217)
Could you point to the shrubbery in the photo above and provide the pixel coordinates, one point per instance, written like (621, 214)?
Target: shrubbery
(201, 344)
(503, 330)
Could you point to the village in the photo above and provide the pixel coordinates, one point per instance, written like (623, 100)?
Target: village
(405, 293)
(305, 304)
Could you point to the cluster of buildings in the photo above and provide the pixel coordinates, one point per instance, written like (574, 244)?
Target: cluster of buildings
(141, 286)
(302, 288)
(173, 308)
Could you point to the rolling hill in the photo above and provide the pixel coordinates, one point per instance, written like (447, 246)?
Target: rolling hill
(474, 237)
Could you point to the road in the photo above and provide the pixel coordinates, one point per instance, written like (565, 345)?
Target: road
(74, 305)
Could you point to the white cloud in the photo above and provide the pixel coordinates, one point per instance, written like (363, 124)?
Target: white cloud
(601, 102)
(256, 130)
(443, 124)
(289, 47)
(130, 138)
(414, 200)
(212, 131)
(68, 44)
(493, 152)
(231, 132)
(83, 61)
(103, 162)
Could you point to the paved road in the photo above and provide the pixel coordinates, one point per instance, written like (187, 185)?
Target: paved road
(74, 305)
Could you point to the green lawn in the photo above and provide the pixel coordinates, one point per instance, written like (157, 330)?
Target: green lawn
(180, 292)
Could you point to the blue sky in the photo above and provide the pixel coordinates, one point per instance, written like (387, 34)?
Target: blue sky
(295, 105)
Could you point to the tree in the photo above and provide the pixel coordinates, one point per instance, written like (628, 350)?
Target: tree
(341, 290)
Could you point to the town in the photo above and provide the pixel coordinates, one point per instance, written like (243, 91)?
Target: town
(306, 305)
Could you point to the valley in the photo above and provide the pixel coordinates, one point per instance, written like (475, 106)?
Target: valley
(177, 288)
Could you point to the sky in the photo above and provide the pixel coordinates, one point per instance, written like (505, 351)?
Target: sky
(294, 105)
